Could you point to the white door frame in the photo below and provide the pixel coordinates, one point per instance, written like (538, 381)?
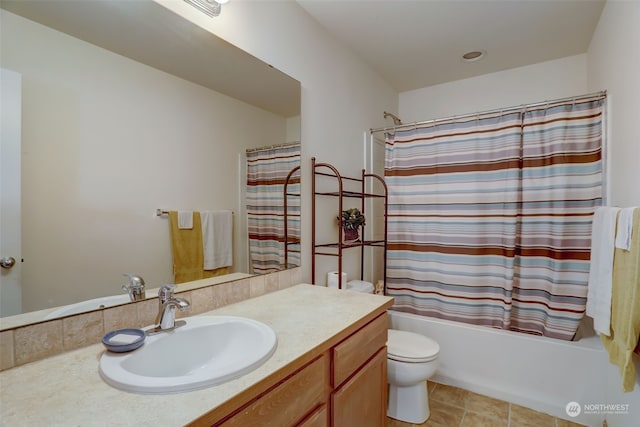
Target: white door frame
(10, 199)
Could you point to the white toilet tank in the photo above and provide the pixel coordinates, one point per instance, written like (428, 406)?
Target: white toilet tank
(360, 286)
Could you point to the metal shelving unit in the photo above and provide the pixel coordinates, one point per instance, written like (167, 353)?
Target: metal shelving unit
(286, 194)
(336, 248)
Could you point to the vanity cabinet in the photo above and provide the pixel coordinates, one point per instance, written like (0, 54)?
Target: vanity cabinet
(345, 384)
(360, 377)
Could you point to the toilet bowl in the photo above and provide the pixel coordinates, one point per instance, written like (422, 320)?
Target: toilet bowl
(411, 359)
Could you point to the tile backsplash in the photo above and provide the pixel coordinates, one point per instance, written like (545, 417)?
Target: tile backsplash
(29, 343)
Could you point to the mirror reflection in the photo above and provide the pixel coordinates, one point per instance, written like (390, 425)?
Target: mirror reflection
(126, 108)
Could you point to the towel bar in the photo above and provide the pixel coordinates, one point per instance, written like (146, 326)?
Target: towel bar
(162, 212)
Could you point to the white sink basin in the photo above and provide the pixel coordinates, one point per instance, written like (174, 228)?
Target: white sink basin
(208, 350)
(92, 304)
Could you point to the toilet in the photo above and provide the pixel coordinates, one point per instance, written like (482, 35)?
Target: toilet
(411, 359)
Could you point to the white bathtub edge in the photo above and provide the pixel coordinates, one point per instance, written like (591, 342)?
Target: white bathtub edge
(540, 373)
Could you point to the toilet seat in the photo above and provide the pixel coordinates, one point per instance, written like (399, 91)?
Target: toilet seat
(410, 347)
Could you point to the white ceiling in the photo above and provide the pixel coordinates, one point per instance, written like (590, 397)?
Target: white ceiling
(410, 43)
(419, 43)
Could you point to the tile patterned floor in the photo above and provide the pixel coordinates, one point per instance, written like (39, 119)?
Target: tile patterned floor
(455, 407)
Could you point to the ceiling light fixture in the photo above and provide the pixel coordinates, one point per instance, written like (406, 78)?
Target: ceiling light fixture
(209, 7)
(474, 55)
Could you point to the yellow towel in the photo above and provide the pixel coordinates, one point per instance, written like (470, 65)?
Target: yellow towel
(625, 308)
(216, 272)
(186, 247)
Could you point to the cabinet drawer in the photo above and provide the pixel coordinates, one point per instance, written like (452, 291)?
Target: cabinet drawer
(290, 401)
(354, 351)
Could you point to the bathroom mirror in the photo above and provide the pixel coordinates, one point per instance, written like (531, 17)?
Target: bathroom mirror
(128, 108)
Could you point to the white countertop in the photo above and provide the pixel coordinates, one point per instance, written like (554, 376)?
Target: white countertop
(67, 389)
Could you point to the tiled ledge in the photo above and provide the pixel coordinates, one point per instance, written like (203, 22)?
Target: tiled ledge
(38, 341)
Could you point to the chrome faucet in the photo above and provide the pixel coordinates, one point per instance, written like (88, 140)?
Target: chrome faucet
(135, 287)
(166, 319)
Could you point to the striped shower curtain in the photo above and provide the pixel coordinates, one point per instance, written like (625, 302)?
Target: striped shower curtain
(267, 170)
(490, 219)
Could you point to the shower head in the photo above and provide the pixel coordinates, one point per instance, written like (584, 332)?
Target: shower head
(396, 120)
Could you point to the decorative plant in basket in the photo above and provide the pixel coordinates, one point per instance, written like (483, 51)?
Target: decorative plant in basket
(352, 220)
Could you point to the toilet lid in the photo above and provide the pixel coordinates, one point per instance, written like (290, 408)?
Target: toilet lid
(410, 347)
(360, 286)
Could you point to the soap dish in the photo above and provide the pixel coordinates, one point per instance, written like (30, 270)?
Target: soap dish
(123, 340)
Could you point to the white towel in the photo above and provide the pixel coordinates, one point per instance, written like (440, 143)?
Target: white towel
(217, 239)
(185, 220)
(603, 231)
(625, 229)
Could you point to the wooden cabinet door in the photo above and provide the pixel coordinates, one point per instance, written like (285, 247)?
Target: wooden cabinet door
(318, 418)
(362, 400)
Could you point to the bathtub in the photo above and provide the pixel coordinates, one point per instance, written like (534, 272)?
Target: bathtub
(541, 373)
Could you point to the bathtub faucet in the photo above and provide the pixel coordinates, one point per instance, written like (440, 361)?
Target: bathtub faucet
(135, 287)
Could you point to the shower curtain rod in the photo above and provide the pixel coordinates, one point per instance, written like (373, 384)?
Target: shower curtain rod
(271, 147)
(595, 95)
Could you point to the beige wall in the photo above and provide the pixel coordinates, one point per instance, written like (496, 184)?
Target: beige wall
(614, 64)
(106, 141)
(533, 83)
